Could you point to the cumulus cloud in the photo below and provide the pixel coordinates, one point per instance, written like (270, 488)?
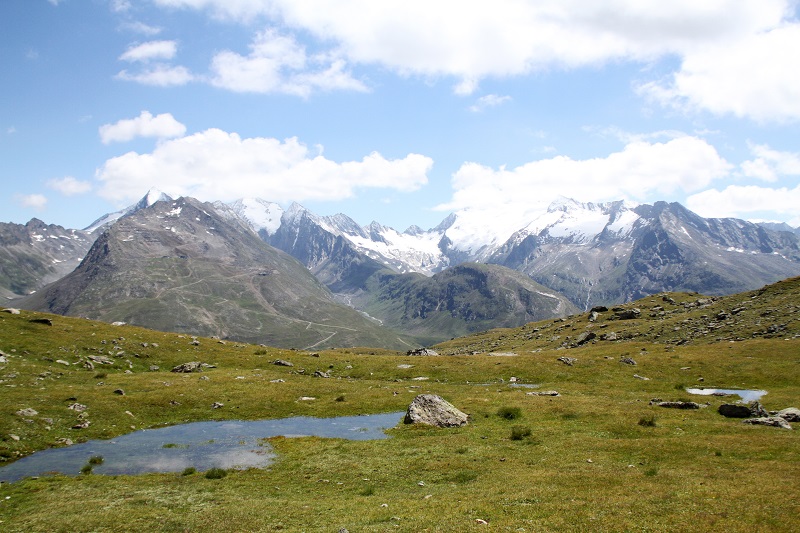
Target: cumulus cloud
(150, 50)
(639, 170)
(753, 77)
(159, 75)
(490, 100)
(769, 165)
(217, 165)
(475, 40)
(161, 126)
(34, 201)
(739, 201)
(277, 63)
(69, 186)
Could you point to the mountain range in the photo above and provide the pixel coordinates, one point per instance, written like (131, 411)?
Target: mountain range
(225, 268)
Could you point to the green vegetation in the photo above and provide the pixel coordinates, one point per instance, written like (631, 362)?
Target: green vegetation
(586, 465)
(216, 473)
(509, 413)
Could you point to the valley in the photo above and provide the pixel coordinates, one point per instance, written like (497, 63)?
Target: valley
(599, 455)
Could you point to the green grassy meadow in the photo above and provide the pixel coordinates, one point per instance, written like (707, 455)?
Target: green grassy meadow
(598, 457)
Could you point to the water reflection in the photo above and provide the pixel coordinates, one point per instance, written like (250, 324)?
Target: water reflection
(202, 445)
(747, 395)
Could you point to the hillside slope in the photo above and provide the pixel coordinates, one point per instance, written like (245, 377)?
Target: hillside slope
(179, 266)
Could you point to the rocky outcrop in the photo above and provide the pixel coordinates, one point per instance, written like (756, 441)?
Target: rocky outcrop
(790, 414)
(434, 410)
(191, 366)
(773, 421)
(738, 410)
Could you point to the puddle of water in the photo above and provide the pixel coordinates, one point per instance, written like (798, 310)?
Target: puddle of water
(526, 385)
(746, 395)
(203, 445)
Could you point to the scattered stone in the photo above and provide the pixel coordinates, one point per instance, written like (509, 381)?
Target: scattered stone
(65, 441)
(191, 366)
(773, 421)
(627, 314)
(281, 362)
(77, 407)
(154, 368)
(599, 309)
(593, 316)
(307, 398)
(501, 354)
(119, 392)
(62, 362)
(433, 410)
(315, 354)
(481, 521)
(217, 405)
(569, 361)
(118, 323)
(610, 336)
(27, 412)
(13, 437)
(543, 393)
(678, 405)
(277, 381)
(584, 337)
(195, 342)
(422, 351)
(637, 376)
(405, 366)
(627, 360)
(100, 359)
(82, 425)
(11, 310)
(321, 374)
(45, 321)
(420, 378)
(790, 414)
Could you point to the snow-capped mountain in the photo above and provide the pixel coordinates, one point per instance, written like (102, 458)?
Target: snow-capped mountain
(592, 252)
(152, 196)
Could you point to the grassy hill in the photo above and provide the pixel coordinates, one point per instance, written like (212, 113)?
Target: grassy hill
(598, 457)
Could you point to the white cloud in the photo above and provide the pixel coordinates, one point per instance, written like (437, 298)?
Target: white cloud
(740, 200)
(640, 170)
(161, 126)
(473, 40)
(11, 130)
(150, 50)
(120, 6)
(277, 63)
(140, 27)
(54, 2)
(770, 164)
(34, 201)
(159, 75)
(490, 100)
(217, 165)
(69, 186)
(755, 76)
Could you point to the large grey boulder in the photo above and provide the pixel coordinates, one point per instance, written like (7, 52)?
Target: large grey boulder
(738, 410)
(774, 421)
(790, 414)
(434, 410)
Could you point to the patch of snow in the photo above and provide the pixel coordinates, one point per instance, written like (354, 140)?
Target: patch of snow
(175, 212)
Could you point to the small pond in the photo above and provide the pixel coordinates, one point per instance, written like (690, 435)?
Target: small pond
(747, 395)
(203, 445)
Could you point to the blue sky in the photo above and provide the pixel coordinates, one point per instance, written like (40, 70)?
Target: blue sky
(400, 111)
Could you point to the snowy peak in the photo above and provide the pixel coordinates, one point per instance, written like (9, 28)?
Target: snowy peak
(153, 195)
(259, 214)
